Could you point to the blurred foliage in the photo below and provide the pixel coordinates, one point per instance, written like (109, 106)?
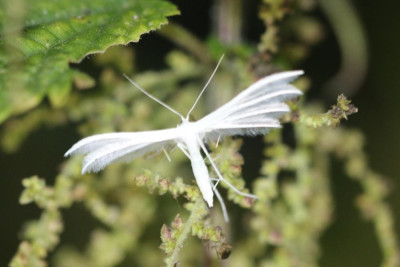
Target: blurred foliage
(331, 118)
(295, 204)
(36, 48)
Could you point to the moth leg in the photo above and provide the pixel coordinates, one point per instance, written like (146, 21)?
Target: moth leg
(216, 182)
(166, 154)
(184, 149)
(214, 159)
(222, 203)
(220, 175)
(219, 138)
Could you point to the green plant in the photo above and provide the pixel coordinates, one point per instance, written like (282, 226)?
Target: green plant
(282, 228)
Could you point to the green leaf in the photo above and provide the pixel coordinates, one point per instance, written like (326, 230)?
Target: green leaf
(34, 63)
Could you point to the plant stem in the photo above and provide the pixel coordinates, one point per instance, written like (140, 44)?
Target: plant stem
(228, 21)
(195, 216)
(185, 39)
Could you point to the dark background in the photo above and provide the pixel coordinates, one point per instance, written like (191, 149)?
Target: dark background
(349, 241)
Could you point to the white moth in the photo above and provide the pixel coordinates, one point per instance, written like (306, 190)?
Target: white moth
(254, 111)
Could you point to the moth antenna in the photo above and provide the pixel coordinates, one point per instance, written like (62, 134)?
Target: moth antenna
(184, 150)
(205, 86)
(153, 97)
(166, 154)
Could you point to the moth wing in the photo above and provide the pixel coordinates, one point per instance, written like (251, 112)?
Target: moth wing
(255, 110)
(103, 149)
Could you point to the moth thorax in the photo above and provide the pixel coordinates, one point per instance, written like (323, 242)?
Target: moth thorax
(188, 128)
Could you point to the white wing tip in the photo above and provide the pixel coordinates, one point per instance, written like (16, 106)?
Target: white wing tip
(290, 73)
(84, 170)
(68, 153)
(73, 149)
(298, 72)
(90, 168)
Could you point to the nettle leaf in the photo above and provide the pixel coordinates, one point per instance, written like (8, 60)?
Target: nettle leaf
(56, 33)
